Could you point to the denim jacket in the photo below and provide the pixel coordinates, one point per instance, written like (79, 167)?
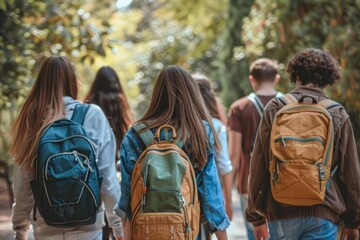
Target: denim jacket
(208, 183)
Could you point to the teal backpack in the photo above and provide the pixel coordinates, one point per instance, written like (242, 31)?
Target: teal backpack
(67, 185)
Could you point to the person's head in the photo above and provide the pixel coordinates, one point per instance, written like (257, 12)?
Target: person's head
(107, 92)
(263, 71)
(176, 100)
(313, 66)
(106, 81)
(207, 94)
(44, 104)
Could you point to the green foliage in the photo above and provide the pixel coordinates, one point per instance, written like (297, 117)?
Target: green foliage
(31, 30)
(279, 29)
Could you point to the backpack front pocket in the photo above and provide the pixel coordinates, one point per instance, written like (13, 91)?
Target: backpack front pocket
(159, 226)
(67, 164)
(69, 201)
(298, 184)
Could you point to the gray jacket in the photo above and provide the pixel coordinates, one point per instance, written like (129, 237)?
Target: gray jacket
(99, 131)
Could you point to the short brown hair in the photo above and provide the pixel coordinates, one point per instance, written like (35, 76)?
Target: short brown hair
(264, 70)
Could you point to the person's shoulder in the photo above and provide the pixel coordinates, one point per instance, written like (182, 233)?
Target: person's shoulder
(95, 117)
(240, 103)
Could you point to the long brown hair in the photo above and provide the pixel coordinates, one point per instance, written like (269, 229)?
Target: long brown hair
(207, 94)
(107, 92)
(176, 100)
(44, 105)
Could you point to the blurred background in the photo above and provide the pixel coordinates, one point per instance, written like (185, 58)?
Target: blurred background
(140, 37)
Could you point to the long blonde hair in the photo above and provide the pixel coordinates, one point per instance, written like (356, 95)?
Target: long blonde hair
(176, 100)
(44, 105)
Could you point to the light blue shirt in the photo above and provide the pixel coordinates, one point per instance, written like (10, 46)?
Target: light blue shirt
(222, 158)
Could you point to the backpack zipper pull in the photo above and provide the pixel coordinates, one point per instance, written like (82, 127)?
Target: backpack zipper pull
(187, 227)
(322, 176)
(283, 142)
(77, 159)
(275, 176)
(87, 162)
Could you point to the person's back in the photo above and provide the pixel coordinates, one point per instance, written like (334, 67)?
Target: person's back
(311, 70)
(107, 92)
(57, 101)
(243, 119)
(174, 92)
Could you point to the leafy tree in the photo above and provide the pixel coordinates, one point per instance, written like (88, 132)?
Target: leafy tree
(279, 29)
(33, 29)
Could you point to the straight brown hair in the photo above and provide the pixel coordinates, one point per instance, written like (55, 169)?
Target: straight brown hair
(176, 100)
(107, 92)
(44, 105)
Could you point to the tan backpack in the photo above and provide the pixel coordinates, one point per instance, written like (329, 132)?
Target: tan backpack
(301, 150)
(164, 198)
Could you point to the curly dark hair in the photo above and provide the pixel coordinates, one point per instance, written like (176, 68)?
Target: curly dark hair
(314, 66)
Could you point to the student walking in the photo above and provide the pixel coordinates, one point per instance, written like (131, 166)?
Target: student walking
(222, 159)
(177, 103)
(106, 92)
(305, 171)
(70, 181)
(244, 117)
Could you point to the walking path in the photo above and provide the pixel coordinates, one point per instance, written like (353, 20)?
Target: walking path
(236, 231)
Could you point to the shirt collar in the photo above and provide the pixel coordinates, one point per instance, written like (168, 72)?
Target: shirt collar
(309, 90)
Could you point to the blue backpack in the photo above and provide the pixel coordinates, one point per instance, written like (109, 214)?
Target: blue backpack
(67, 185)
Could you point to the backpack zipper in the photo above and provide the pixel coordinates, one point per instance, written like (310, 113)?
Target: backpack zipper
(77, 159)
(283, 139)
(187, 225)
(143, 202)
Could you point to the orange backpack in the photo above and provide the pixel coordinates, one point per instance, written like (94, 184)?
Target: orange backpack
(301, 150)
(164, 198)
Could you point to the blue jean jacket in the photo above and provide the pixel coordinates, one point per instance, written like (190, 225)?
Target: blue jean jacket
(212, 207)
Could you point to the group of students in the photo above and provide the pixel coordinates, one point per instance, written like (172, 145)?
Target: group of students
(218, 149)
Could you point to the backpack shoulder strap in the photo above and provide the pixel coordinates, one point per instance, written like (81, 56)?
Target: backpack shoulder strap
(79, 113)
(147, 136)
(328, 103)
(257, 103)
(287, 98)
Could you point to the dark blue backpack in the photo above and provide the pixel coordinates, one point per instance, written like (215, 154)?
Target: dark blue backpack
(67, 183)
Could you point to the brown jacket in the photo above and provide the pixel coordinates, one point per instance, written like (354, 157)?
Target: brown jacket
(342, 201)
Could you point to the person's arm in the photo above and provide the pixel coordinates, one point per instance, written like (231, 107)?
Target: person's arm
(221, 235)
(110, 189)
(211, 198)
(235, 149)
(24, 202)
(101, 133)
(259, 178)
(261, 232)
(227, 184)
(348, 177)
(225, 168)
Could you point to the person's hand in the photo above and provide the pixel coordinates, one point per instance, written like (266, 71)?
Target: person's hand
(229, 211)
(261, 232)
(350, 234)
